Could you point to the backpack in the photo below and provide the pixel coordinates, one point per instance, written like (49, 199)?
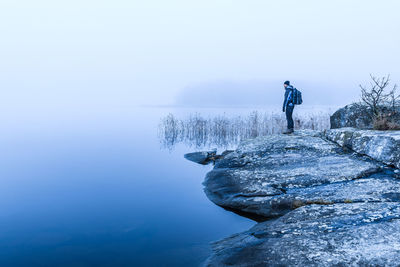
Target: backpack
(297, 99)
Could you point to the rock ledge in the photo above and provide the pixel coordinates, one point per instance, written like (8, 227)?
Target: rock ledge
(318, 202)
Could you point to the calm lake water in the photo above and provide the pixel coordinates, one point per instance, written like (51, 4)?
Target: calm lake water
(96, 188)
(101, 187)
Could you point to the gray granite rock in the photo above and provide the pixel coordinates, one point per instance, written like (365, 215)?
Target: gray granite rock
(359, 116)
(383, 146)
(203, 157)
(318, 202)
(352, 234)
(206, 157)
(353, 115)
(272, 175)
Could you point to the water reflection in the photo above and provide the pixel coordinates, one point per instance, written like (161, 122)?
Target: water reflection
(226, 131)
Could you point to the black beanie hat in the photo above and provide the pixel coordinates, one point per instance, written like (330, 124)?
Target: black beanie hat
(287, 83)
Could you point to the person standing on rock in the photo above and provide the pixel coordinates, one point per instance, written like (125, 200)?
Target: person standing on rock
(288, 106)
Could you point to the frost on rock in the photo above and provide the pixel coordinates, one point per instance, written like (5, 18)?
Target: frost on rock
(285, 172)
(359, 116)
(318, 202)
(383, 146)
(355, 234)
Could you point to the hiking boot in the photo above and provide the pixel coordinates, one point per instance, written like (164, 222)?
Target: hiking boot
(288, 131)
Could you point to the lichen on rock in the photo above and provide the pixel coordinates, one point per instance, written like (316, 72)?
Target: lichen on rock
(262, 175)
(321, 199)
(383, 146)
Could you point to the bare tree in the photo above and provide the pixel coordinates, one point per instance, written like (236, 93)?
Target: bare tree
(394, 98)
(376, 97)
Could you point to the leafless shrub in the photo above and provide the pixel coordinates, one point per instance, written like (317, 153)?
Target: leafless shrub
(380, 123)
(384, 123)
(394, 98)
(383, 104)
(393, 126)
(376, 96)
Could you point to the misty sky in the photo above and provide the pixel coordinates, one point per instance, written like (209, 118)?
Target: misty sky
(59, 54)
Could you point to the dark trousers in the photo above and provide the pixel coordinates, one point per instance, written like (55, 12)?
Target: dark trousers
(289, 118)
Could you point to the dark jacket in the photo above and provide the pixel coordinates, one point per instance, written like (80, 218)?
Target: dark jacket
(288, 97)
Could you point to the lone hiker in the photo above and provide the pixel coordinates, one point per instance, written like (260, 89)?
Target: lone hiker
(288, 106)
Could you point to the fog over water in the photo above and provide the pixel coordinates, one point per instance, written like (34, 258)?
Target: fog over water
(84, 84)
(75, 54)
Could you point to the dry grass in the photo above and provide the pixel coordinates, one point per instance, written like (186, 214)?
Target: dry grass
(223, 131)
(385, 123)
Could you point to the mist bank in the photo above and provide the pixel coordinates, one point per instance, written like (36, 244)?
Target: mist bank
(259, 93)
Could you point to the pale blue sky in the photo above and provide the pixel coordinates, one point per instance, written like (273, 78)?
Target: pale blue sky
(59, 54)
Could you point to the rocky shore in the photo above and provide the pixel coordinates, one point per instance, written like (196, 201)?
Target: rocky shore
(320, 198)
